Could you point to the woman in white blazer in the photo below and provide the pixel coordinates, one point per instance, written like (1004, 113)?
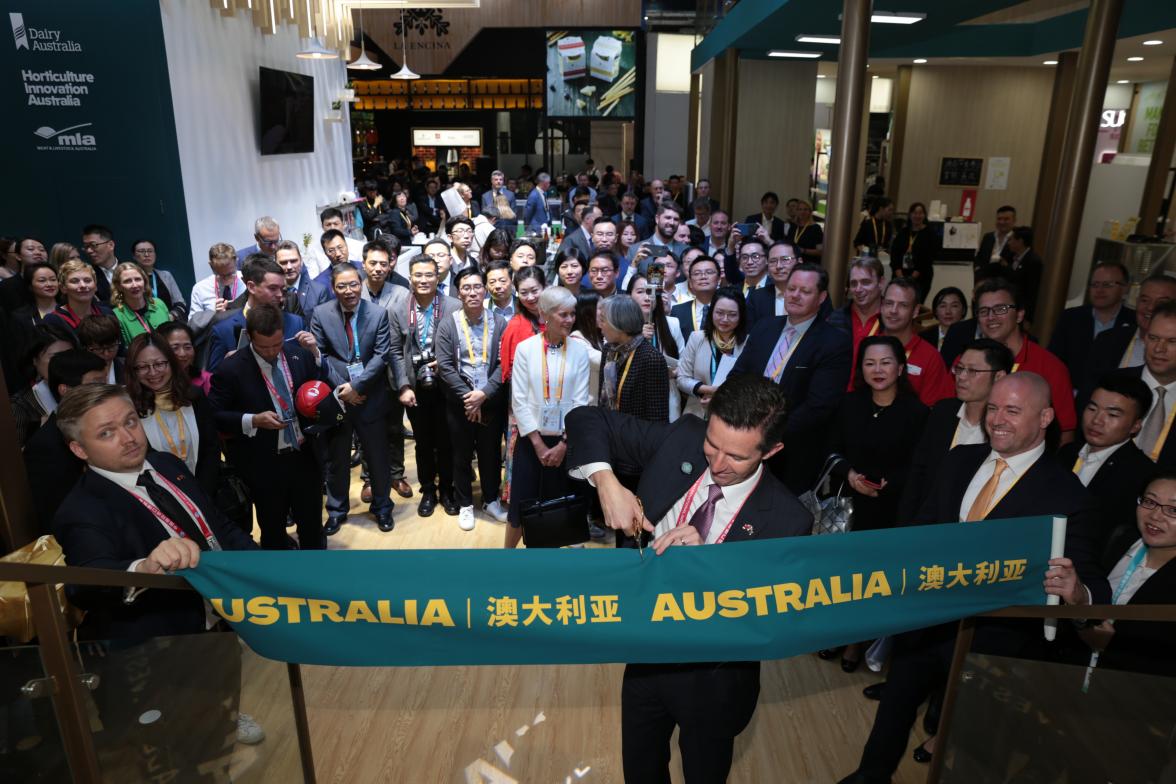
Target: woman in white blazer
(717, 345)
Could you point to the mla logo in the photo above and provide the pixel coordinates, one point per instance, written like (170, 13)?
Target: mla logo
(64, 140)
(19, 33)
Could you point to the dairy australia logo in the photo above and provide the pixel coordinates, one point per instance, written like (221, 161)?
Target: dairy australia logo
(39, 39)
(70, 138)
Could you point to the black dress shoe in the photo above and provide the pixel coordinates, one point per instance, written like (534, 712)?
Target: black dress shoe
(849, 665)
(333, 525)
(828, 654)
(449, 505)
(427, 505)
(385, 522)
(874, 691)
(921, 754)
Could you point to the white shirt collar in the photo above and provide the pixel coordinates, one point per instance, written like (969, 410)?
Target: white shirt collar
(127, 480)
(1152, 382)
(1091, 458)
(803, 326)
(1021, 463)
(737, 493)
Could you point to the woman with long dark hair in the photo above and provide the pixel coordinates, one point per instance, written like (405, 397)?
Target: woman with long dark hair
(913, 251)
(182, 340)
(175, 415)
(720, 341)
(587, 329)
(529, 282)
(663, 333)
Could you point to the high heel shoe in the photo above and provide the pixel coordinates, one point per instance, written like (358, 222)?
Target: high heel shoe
(921, 755)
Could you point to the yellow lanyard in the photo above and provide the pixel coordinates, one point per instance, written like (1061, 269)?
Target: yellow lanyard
(874, 329)
(563, 366)
(625, 375)
(1077, 465)
(1159, 447)
(877, 239)
(787, 357)
(694, 314)
(1126, 361)
(465, 326)
(911, 241)
(800, 233)
(181, 435)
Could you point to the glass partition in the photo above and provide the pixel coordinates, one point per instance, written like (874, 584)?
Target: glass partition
(30, 743)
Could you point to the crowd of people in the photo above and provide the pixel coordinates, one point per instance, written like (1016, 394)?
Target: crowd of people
(656, 326)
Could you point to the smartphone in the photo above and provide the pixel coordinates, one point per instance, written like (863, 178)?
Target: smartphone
(657, 251)
(747, 229)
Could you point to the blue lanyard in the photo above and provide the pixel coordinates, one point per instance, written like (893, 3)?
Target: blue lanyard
(1136, 560)
(154, 286)
(426, 327)
(355, 334)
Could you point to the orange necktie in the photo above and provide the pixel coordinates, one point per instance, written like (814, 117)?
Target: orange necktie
(986, 500)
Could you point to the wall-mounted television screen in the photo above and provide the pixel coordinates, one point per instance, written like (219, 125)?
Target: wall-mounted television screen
(287, 112)
(592, 73)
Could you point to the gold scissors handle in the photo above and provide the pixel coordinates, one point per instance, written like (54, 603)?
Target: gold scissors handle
(638, 531)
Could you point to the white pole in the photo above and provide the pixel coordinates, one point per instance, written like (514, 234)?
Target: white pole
(1057, 548)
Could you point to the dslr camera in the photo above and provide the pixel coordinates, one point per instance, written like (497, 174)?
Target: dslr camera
(426, 376)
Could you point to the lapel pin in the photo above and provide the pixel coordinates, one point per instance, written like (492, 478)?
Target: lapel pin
(749, 529)
(687, 468)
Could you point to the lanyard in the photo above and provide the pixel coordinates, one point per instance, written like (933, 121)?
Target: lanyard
(690, 497)
(800, 233)
(464, 321)
(787, 357)
(625, 375)
(216, 288)
(877, 239)
(355, 335)
(911, 240)
(269, 385)
(1126, 361)
(424, 333)
(1132, 565)
(563, 366)
(716, 356)
(180, 451)
(71, 318)
(874, 329)
(135, 313)
(154, 285)
(694, 313)
(190, 507)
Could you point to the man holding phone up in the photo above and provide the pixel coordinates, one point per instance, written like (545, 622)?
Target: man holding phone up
(667, 221)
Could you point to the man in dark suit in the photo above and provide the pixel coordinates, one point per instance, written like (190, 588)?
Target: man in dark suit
(775, 227)
(1010, 477)
(1109, 463)
(302, 295)
(133, 510)
(994, 244)
(430, 208)
(958, 336)
(265, 283)
(696, 479)
(51, 468)
(98, 243)
(651, 204)
(535, 212)
(703, 280)
(253, 395)
(1158, 373)
(471, 379)
(768, 301)
(489, 199)
(415, 378)
(355, 342)
(1076, 330)
(957, 421)
(580, 238)
(810, 360)
(1125, 346)
(1024, 268)
(628, 212)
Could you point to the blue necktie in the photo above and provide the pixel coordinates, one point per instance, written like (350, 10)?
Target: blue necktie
(284, 394)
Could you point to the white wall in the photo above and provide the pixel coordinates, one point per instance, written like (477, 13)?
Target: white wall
(667, 115)
(212, 65)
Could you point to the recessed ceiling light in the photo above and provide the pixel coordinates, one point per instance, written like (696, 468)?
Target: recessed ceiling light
(800, 55)
(1153, 42)
(882, 17)
(920, 60)
(1123, 81)
(820, 76)
(1135, 59)
(1049, 62)
(818, 39)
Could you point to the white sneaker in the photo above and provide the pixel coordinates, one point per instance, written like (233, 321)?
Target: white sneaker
(496, 510)
(249, 731)
(465, 518)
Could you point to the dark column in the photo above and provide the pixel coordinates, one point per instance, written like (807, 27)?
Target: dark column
(902, 103)
(1090, 85)
(1055, 138)
(846, 142)
(1161, 161)
(724, 110)
(18, 525)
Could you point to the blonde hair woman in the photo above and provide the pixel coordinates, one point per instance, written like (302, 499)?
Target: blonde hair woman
(137, 310)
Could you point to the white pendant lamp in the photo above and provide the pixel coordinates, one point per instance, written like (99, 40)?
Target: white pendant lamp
(316, 50)
(405, 72)
(363, 62)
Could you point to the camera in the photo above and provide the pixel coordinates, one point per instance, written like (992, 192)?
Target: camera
(426, 377)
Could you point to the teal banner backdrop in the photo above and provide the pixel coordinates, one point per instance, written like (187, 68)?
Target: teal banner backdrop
(89, 131)
(767, 599)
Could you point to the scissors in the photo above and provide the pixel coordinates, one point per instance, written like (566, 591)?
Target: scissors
(638, 531)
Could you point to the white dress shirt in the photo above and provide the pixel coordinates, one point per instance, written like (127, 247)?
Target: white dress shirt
(207, 291)
(695, 368)
(526, 381)
(725, 510)
(966, 432)
(1138, 577)
(1017, 466)
(1089, 462)
(1169, 398)
(247, 428)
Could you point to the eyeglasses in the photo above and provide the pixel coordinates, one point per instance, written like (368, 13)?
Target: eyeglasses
(94, 245)
(104, 348)
(995, 310)
(269, 243)
(599, 272)
(152, 367)
(145, 252)
(751, 256)
(963, 371)
(703, 274)
(1150, 505)
(1104, 284)
(473, 287)
(781, 261)
(352, 285)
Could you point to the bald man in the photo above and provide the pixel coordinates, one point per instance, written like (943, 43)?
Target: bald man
(1010, 476)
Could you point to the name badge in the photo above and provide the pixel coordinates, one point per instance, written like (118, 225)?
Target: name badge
(551, 420)
(479, 377)
(354, 371)
(914, 370)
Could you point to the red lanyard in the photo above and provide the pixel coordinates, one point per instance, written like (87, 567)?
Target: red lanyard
(71, 318)
(191, 508)
(281, 364)
(690, 497)
(547, 378)
(135, 313)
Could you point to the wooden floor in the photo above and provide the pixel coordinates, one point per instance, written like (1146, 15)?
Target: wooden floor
(524, 724)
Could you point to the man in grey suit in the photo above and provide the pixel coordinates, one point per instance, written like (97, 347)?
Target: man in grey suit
(355, 341)
(416, 380)
(489, 199)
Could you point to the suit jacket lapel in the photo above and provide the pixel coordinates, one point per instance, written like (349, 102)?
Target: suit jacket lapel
(1023, 487)
(135, 518)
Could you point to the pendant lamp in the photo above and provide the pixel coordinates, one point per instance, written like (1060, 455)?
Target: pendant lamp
(405, 72)
(363, 62)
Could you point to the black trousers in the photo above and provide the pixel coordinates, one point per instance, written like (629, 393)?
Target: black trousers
(431, 434)
(290, 484)
(481, 438)
(373, 439)
(395, 444)
(710, 703)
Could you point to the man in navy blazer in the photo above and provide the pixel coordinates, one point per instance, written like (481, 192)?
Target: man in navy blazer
(701, 483)
(810, 360)
(265, 282)
(642, 224)
(113, 518)
(1078, 327)
(498, 188)
(356, 346)
(535, 212)
(253, 394)
(302, 295)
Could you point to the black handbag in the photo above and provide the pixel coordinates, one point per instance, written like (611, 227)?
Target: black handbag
(554, 522)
